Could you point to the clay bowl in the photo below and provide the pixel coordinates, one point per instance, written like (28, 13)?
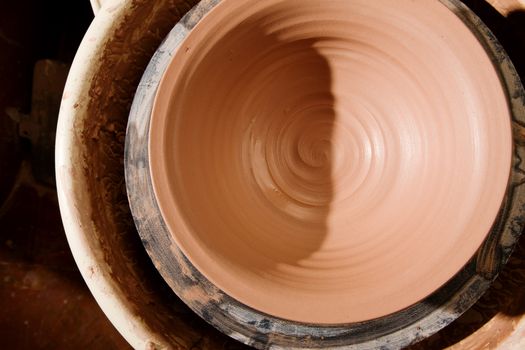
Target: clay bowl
(337, 174)
(350, 158)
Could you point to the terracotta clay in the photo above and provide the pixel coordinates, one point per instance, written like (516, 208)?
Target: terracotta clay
(334, 164)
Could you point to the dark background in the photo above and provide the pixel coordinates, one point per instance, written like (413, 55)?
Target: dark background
(44, 302)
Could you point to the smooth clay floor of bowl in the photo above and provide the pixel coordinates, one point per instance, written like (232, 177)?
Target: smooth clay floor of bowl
(330, 164)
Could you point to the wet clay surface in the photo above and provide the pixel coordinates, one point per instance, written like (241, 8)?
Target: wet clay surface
(306, 156)
(496, 315)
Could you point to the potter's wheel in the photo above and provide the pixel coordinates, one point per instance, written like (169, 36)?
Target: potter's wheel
(118, 271)
(325, 210)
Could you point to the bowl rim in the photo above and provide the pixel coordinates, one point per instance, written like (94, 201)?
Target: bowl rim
(253, 327)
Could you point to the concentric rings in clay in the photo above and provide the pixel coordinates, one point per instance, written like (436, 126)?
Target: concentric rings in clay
(330, 164)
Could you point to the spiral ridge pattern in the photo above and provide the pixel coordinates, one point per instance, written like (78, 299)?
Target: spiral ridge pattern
(330, 162)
